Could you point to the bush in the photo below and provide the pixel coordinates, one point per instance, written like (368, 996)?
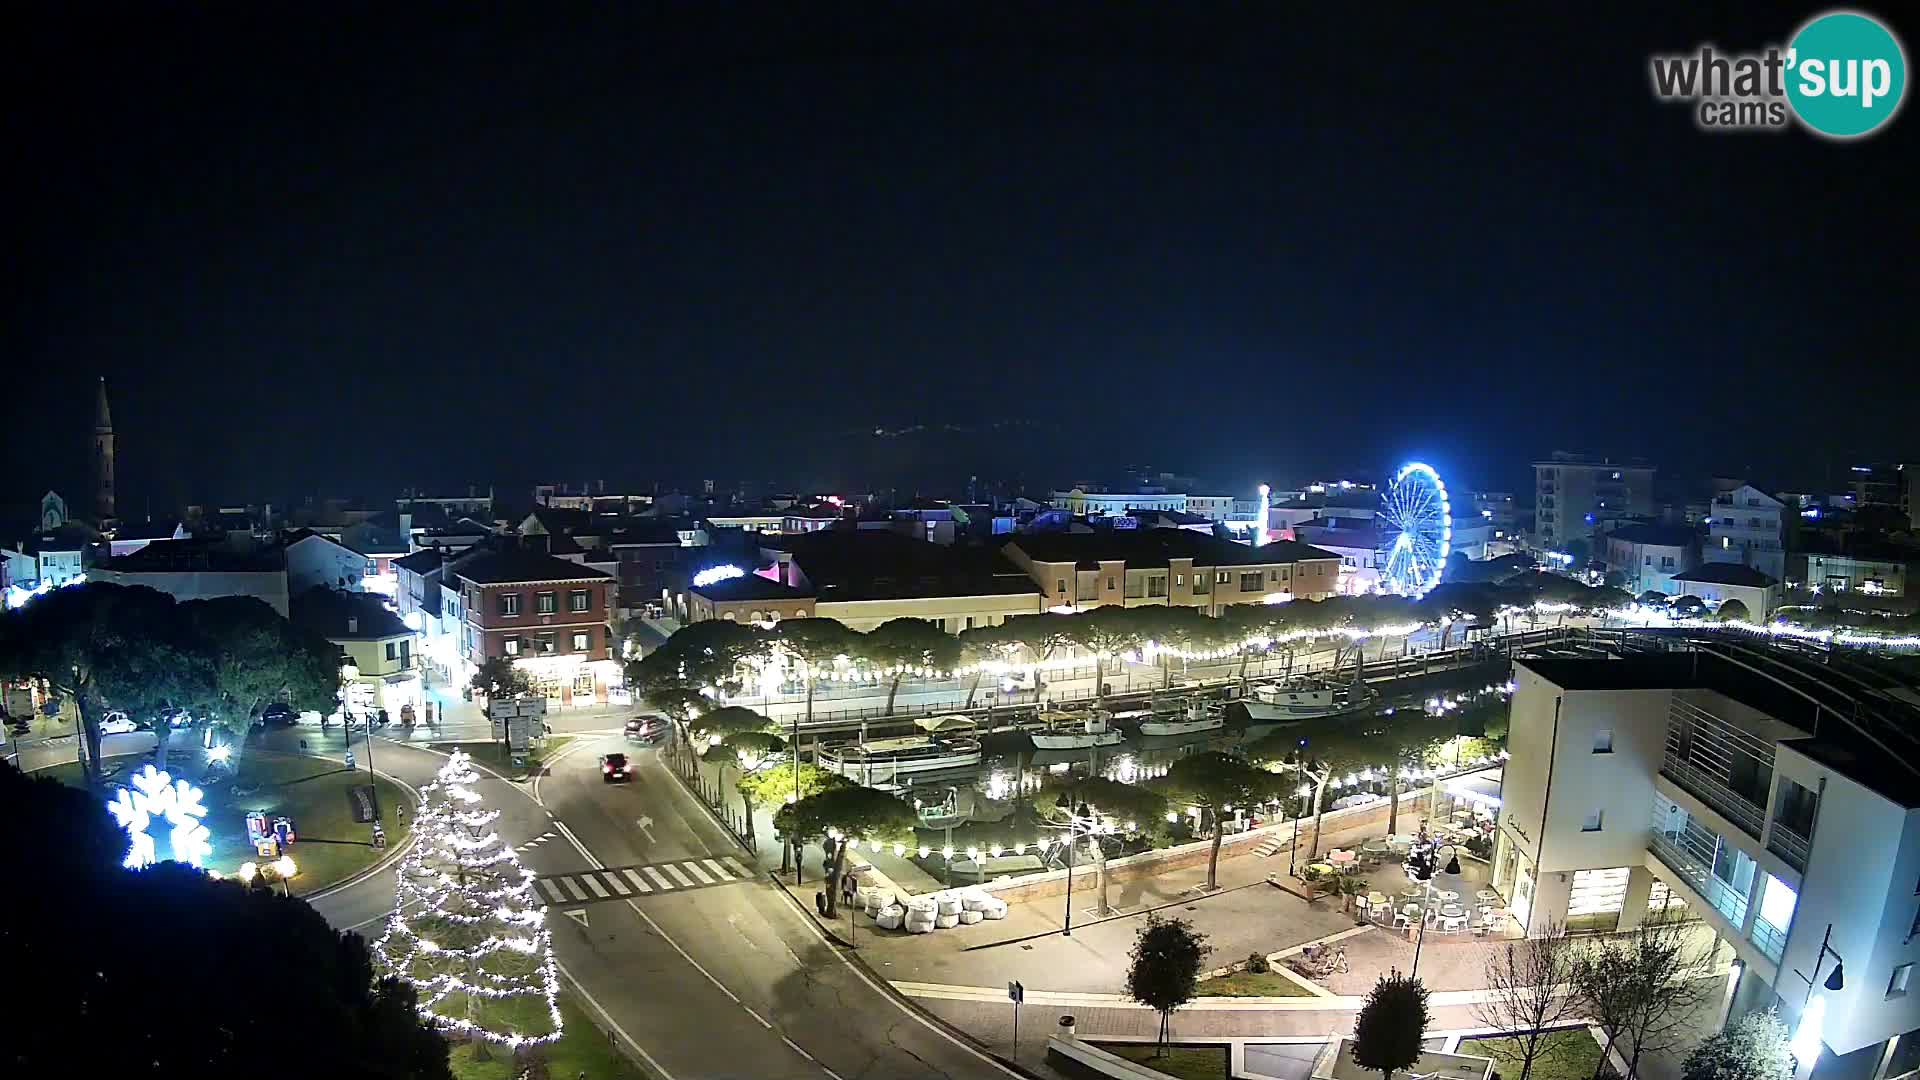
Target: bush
(1257, 964)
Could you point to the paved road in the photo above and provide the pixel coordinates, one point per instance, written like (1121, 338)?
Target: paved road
(714, 977)
(779, 999)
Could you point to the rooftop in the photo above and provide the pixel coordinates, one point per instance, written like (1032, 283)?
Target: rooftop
(200, 556)
(1727, 573)
(880, 564)
(750, 587)
(1147, 548)
(1871, 737)
(514, 565)
(327, 612)
(1657, 535)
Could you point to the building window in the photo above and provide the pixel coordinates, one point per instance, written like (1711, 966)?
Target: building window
(393, 650)
(512, 646)
(1897, 986)
(1593, 821)
(1603, 741)
(1250, 582)
(546, 643)
(580, 640)
(1060, 585)
(1157, 585)
(1111, 585)
(578, 599)
(1179, 579)
(546, 603)
(510, 603)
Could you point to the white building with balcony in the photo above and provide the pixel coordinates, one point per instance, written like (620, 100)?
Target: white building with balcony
(1745, 788)
(1745, 527)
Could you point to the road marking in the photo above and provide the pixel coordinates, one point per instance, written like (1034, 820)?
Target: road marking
(717, 868)
(677, 875)
(593, 883)
(637, 883)
(796, 1047)
(737, 868)
(646, 826)
(553, 892)
(823, 1068)
(578, 915)
(618, 885)
(615, 1025)
(695, 870)
(657, 878)
(573, 888)
(757, 1016)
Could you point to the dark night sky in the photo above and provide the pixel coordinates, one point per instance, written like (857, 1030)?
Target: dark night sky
(357, 251)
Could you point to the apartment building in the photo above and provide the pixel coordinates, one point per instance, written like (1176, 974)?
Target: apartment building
(1136, 567)
(547, 614)
(1574, 494)
(1747, 526)
(381, 649)
(1745, 787)
(1866, 571)
(1648, 556)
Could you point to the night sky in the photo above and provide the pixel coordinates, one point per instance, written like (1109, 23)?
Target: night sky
(355, 250)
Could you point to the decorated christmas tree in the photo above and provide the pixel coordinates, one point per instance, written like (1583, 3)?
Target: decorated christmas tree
(465, 929)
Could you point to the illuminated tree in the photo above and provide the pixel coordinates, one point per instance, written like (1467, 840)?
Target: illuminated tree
(1217, 782)
(903, 645)
(1388, 1033)
(466, 931)
(840, 816)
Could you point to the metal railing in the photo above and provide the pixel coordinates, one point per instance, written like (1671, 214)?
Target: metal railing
(1769, 939)
(1787, 843)
(1699, 876)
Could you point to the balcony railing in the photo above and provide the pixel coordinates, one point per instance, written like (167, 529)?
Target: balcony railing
(1708, 789)
(1769, 939)
(1789, 845)
(1725, 899)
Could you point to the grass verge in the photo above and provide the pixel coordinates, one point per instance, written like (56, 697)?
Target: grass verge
(1566, 1054)
(312, 792)
(1182, 1062)
(583, 1050)
(1247, 984)
(494, 755)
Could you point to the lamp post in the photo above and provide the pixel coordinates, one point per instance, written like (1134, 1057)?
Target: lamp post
(1081, 820)
(1807, 1037)
(1421, 864)
(351, 673)
(284, 866)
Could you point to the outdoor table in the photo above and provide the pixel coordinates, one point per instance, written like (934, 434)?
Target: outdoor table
(1375, 899)
(1486, 895)
(1445, 894)
(1452, 911)
(1321, 868)
(1340, 857)
(1410, 910)
(1461, 814)
(1377, 844)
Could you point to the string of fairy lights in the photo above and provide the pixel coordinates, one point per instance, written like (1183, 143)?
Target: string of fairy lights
(464, 904)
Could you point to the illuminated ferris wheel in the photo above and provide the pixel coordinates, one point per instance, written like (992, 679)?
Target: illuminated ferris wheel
(1416, 529)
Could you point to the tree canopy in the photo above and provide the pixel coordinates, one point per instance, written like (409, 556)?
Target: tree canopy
(1387, 1034)
(100, 992)
(1164, 972)
(498, 678)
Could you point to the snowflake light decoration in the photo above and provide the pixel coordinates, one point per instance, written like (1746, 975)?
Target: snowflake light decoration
(157, 795)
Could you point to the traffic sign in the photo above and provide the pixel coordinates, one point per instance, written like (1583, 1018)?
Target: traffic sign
(1016, 993)
(849, 889)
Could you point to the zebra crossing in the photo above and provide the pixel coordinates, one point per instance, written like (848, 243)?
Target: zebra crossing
(626, 882)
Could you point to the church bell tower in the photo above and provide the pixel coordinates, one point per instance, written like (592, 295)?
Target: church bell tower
(102, 456)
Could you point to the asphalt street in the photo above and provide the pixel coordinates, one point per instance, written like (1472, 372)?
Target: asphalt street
(722, 980)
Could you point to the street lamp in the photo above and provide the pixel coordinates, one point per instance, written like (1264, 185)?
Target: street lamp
(285, 867)
(350, 672)
(1421, 865)
(1807, 1037)
(1081, 820)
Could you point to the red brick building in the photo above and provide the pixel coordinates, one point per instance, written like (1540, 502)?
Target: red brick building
(550, 616)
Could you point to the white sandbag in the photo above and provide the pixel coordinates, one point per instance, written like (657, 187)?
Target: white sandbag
(875, 902)
(996, 910)
(947, 922)
(927, 903)
(975, 902)
(894, 910)
(889, 919)
(915, 926)
(968, 918)
(949, 904)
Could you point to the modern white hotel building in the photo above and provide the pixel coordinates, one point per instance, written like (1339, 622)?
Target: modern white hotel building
(1765, 793)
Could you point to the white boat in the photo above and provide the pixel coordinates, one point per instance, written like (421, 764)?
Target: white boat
(880, 761)
(1076, 731)
(1305, 699)
(1196, 717)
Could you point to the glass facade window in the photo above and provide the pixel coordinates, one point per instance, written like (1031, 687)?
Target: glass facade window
(1715, 869)
(1770, 927)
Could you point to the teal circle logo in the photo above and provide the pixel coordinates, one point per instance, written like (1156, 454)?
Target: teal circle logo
(1846, 74)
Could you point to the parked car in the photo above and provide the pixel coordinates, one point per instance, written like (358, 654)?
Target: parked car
(279, 714)
(175, 718)
(614, 768)
(118, 723)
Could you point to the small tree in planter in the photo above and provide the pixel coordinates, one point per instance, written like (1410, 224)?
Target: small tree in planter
(1388, 1032)
(1165, 972)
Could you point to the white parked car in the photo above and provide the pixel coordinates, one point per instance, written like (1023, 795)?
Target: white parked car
(118, 723)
